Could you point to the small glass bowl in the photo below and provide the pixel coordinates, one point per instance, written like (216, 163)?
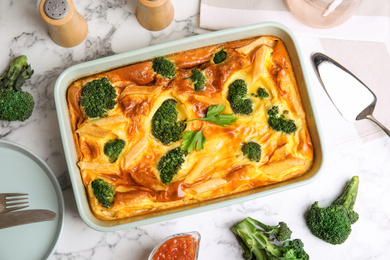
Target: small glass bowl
(193, 234)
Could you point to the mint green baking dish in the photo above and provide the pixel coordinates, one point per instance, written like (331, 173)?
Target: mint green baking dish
(88, 68)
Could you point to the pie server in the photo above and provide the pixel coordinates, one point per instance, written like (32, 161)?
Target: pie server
(352, 98)
(22, 217)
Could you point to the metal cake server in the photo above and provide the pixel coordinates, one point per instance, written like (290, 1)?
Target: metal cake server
(352, 98)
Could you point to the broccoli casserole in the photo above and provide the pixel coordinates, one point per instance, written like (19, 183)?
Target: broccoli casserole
(189, 127)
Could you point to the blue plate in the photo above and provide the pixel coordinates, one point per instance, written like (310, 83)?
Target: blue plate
(23, 171)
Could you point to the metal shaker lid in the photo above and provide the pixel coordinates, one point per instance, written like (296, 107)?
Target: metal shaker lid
(56, 9)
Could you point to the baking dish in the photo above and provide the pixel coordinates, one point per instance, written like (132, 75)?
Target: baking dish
(119, 60)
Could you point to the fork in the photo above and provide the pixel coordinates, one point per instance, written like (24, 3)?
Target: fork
(12, 201)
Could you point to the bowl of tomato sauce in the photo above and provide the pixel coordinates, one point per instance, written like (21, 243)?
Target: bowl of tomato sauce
(182, 246)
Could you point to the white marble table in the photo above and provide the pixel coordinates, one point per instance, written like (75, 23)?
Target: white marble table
(351, 149)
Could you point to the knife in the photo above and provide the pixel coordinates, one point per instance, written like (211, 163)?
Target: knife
(22, 217)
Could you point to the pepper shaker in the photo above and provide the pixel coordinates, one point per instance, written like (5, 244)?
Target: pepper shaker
(154, 15)
(67, 27)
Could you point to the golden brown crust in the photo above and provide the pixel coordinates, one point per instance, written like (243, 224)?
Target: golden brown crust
(219, 169)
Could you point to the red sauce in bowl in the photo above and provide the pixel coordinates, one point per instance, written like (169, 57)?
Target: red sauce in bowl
(177, 248)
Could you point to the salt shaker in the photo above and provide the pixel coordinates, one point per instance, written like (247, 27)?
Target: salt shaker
(155, 15)
(67, 27)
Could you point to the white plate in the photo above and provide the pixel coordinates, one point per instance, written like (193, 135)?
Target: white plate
(23, 171)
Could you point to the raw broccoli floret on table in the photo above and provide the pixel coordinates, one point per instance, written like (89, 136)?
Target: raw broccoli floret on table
(281, 231)
(256, 239)
(333, 223)
(16, 104)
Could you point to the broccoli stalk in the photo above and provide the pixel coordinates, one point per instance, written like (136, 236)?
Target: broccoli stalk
(333, 223)
(255, 239)
(251, 239)
(281, 231)
(15, 104)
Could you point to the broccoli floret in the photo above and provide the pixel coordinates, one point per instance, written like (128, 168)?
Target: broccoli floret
(98, 97)
(170, 164)
(104, 192)
(293, 249)
(198, 79)
(238, 99)
(113, 148)
(281, 231)
(262, 93)
(219, 56)
(165, 126)
(333, 223)
(164, 67)
(15, 104)
(279, 122)
(256, 240)
(252, 150)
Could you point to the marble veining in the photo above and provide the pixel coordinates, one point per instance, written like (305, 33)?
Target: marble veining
(113, 29)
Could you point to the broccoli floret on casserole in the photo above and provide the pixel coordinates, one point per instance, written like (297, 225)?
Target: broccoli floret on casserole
(170, 164)
(252, 150)
(104, 192)
(262, 93)
(113, 148)
(98, 97)
(279, 122)
(240, 103)
(165, 124)
(198, 79)
(219, 56)
(164, 67)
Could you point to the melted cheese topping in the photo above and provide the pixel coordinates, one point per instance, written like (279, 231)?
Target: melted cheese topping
(219, 169)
